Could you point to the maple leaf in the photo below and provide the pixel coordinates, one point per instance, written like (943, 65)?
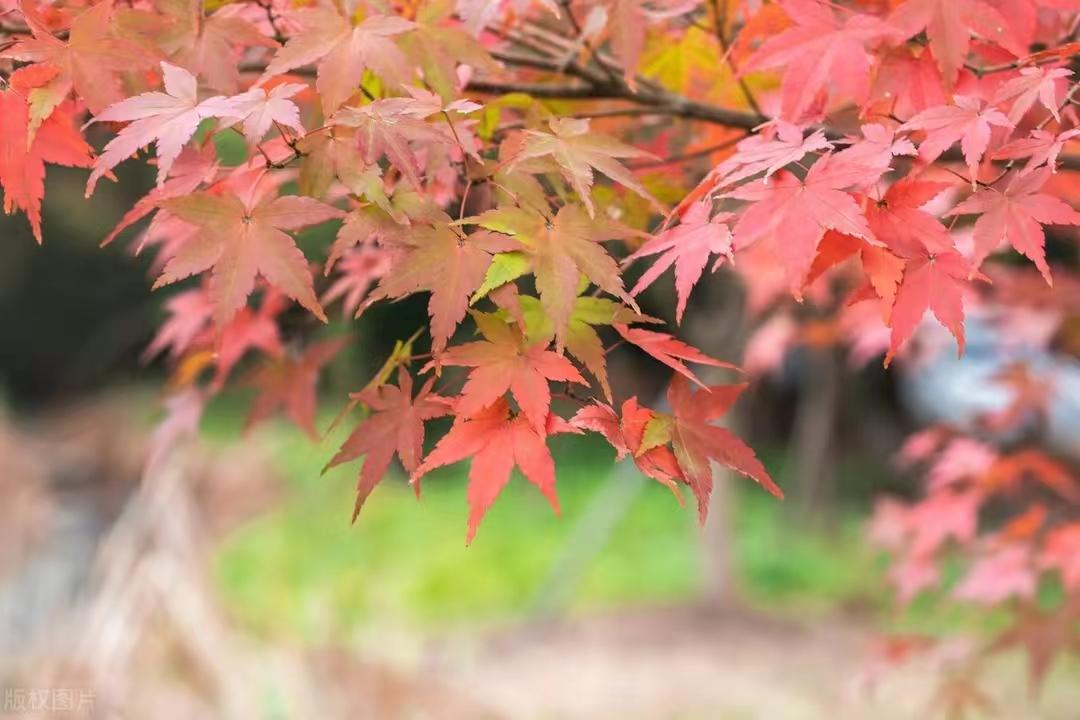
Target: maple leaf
(1043, 636)
(357, 273)
(899, 222)
(1040, 147)
(1016, 215)
(578, 152)
(445, 263)
(193, 167)
(1033, 84)
(966, 121)
(688, 247)
(670, 351)
(206, 45)
(331, 154)
(396, 425)
(933, 281)
(87, 62)
(343, 52)
(876, 148)
(907, 232)
(818, 51)
(558, 252)
(582, 340)
(167, 119)
(241, 236)
(687, 63)
(367, 224)
(1006, 572)
(627, 434)
(258, 110)
(696, 441)
(797, 213)
(759, 153)
(497, 443)
(905, 84)
(189, 327)
(189, 314)
(290, 383)
(394, 127)
(249, 329)
(778, 145)
(22, 161)
(949, 24)
(443, 51)
(505, 361)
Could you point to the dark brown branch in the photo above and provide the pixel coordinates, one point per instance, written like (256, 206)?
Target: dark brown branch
(664, 102)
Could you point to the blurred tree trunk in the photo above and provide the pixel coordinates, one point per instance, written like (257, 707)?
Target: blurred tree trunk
(810, 456)
(719, 328)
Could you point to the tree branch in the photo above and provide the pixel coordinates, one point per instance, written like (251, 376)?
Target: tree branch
(661, 101)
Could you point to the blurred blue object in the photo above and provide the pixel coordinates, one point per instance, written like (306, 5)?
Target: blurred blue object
(940, 387)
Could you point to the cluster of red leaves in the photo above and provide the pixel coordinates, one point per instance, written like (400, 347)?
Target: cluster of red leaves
(891, 148)
(1011, 522)
(387, 142)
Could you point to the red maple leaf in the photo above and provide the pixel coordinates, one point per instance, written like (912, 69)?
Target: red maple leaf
(210, 45)
(446, 263)
(670, 351)
(968, 121)
(697, 442)
(22, 162)
(1004, 573)
(249, 329)
(190, 312)
(396, 425)
(935, 282)
(241, 236)
(290, 383)
(1047, 86)
(780, 145)
(949, 24)
(87, 62)
(258, 109)
(688, 247)
(899, 222)
(797, 213)
(1040, 147)
(1016, 215)
(819, 51)
(396, 128)
(358, 271)
(497, 442)
(627, 434)
(343, 51)
(504, 361)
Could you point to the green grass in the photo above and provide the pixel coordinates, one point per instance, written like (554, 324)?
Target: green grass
(303, 571)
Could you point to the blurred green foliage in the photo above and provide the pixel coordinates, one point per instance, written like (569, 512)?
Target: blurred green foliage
(303, 571)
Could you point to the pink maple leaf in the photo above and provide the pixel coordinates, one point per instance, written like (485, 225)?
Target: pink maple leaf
(1016, 215)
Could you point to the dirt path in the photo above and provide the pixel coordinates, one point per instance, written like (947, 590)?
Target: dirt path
(677, 664)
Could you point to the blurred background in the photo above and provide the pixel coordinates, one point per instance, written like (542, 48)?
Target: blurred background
(232, 584)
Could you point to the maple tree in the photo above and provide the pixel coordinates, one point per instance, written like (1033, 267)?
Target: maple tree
(535, 167)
